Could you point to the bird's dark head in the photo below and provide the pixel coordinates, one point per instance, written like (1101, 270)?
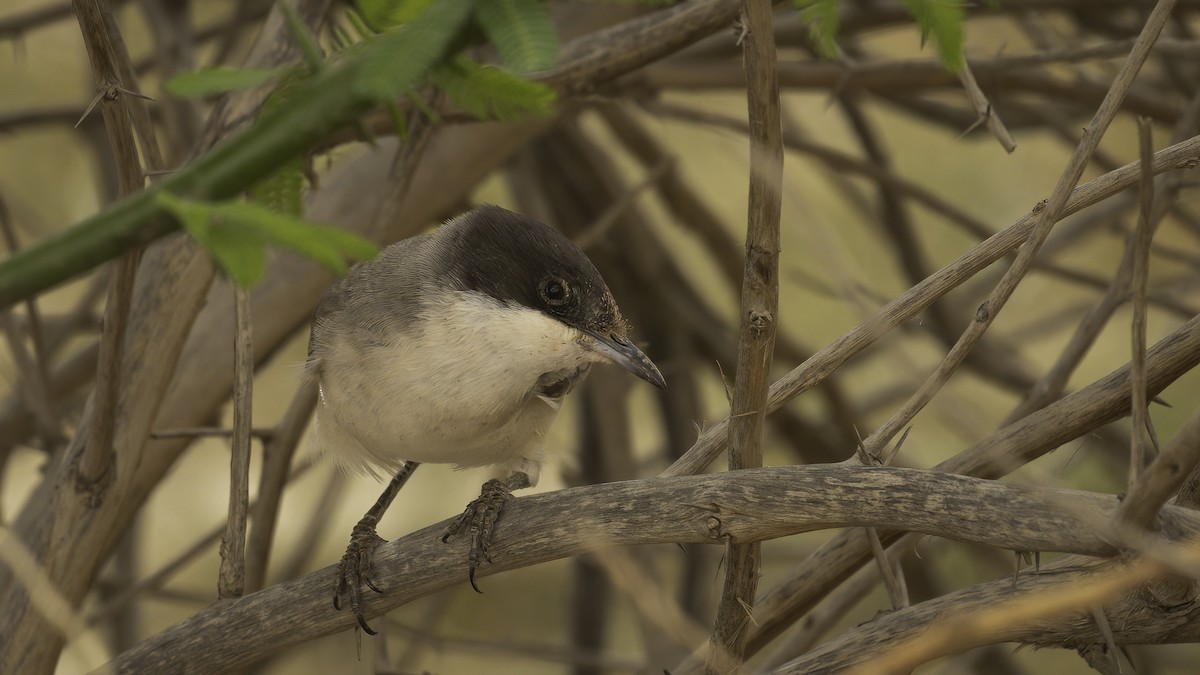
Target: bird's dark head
(520, 261)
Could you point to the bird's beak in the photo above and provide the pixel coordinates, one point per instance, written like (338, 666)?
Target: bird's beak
(625, 354)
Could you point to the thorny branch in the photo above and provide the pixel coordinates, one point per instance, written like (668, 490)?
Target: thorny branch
(687, 325)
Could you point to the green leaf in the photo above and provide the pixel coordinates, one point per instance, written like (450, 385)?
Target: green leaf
(240, 252)
(283, 190)
(303, 37)
(236, 234)
(943, 19)
(522, 32)
(396, 61)
(822, 19)
(214, 81)
(328, 246)
(492, 93)
(383, 14)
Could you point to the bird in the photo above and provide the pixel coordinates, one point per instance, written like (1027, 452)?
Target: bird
(457, 346)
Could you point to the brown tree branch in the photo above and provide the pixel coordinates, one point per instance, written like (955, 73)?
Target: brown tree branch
(277, 459)
(106, 54)
(1139, 457)
(758, 322)
(899, 78)
(1009, 448)
(231, 580)
(749, 505)
(1163, 477)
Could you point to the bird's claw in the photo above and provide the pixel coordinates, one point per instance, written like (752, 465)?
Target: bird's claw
(353, 571)
(479, 520)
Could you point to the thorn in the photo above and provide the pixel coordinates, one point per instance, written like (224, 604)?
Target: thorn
(134, 94)
(90, 106)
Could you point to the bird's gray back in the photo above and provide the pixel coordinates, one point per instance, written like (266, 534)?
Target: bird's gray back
(376, 298)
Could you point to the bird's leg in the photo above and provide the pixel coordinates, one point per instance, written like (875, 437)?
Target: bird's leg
(355, 568)
(481, 515)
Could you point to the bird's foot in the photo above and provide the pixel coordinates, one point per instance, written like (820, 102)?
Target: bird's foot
(479, 519)
(355, 569)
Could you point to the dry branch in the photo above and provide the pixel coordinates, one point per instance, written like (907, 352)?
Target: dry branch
(749, 505)
(758, 323)
(994, 612)
(914, 300)
(1051, 211)
(1011, 447)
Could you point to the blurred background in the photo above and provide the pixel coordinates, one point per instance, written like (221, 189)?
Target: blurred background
(887, 178)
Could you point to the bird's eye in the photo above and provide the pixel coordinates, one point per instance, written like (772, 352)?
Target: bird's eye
(556, 292)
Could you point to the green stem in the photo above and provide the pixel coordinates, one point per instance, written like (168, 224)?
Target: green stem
(332, 99)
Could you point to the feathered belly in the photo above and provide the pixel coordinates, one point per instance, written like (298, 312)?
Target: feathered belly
(462, 390)
(417, 422)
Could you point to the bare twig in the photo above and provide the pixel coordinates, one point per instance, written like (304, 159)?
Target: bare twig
(1163, 477)
(1054, 381)
(1049, 215)
(911, 302)
(262, 433)
(987, 115)
(277, 458)
(900, 79)
(231, 582)
(107, 55)
(12, 27)
(1141, 263)
(892, 581)
(1104, 658)
(834, 608)
(759, 318)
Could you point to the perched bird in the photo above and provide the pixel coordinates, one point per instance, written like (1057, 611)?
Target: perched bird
(457, 347)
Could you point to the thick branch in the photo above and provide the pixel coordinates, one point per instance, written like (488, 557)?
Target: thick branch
(750, 505)
(1008, 449)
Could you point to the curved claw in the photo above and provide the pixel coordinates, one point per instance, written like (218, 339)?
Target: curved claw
(471, 576)
(371, 584)
(353, 573)
(479, 519)
(362, 622)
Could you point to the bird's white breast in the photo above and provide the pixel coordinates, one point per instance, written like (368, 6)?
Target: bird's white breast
(456, 390)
